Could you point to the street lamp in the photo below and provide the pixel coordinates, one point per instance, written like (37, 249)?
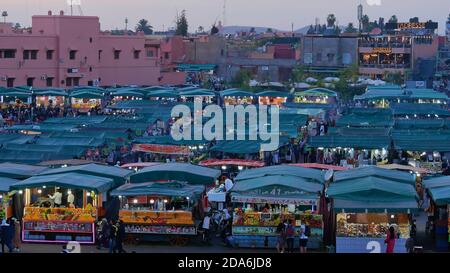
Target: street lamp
(4, 15)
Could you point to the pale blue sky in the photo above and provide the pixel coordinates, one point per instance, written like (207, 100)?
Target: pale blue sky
(269, 13)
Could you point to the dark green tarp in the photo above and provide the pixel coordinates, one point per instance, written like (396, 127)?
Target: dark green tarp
(118, 175)
(412, 109)
(261, 184)
(5, 184)
(311, 175)
(437, 182)
(192, 174)
(19, 171)
(273, 94)
(440, 195)
(421, 140)
(67, 180)
(170, 189)
(350, 141)
(373, 171)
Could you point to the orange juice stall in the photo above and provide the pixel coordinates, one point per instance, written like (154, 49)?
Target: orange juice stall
(61, 207)
(159, 209)
(5, 197)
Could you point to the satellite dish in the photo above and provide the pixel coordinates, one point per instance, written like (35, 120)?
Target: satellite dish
(329, 175)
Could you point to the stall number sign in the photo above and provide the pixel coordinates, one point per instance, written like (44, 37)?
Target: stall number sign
(366, 245)
(385, 50)
(411, 25)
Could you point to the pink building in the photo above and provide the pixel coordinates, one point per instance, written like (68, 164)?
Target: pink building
(66, 51)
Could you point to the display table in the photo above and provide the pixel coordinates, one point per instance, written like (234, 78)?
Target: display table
(59, 225)
(258, 229)
(216, 196)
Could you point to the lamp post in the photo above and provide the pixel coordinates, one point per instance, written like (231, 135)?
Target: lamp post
(4, 15)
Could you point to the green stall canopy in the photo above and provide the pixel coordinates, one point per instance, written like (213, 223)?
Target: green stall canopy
(67, 180)
(192, 174)
(264, 184)
(311, 175)
(170, 189)
(350, 141)
(273, 94)
(19, 171)
(6, 183)
(236, 93)
(373, 171)
(118, 175)
(441, 195)
(437, 182)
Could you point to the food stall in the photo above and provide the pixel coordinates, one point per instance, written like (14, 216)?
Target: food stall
(261, 203)
(316, 96)
(272, 98)
(367, 201)
(158, 211)
(50, 97)
(46, 221)
(5, 197)
(236, 97)
(127, 94)
(84, 100)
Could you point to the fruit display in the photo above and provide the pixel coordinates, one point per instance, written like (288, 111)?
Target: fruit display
(88, 215)
(374, 225)
(262, 219)
(156, 217)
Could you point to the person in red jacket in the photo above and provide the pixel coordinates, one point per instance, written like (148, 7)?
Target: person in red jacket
(390, 240)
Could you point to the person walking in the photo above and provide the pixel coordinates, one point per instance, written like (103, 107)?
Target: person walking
(102, 233)
(281, 231)
(303, 239)
(6, 236)
(120, 236)
(112, 237)
(290, 233)
(390, 240)
(17, 242)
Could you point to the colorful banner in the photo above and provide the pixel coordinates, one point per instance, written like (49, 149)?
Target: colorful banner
(156, 217)
(271, 200)
(162, 149)
(60, 214)
(164, 230)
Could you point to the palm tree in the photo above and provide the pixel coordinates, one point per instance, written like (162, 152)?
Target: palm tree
(144, 26)
(350, 28)
(214, 30)
(331, 19)
(393, 19)
(200, 29)
(365, 23)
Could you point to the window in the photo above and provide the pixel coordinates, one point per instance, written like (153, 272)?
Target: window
(76, 81)
(150, 53)
(10, 82)
(7, 53)
(100, 55)
(49, 82)
(72, 54)
(90, 68)
(346, 58)
(90, 83)
(26, 54)
(136, 54)
(116, 54)
(222, 52)
(308, 58)
(49, 54)
(166, 55)
(319, 57)
(330, 57)
(69, 82)
(90, 40)
(30, 81)
(33, 54)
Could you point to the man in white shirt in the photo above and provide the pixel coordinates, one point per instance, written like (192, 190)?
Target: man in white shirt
(70, 199)
(228, 184)
(57, 198)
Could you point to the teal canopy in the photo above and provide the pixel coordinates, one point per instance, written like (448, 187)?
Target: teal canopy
(317, 92)
(309, 174)
(43, 127)
(193, 174)
(86, 95)
(16, 138)
(440, 195)
(50, 92)
(421, 140)
(236, 93)
(196, 67)
(373, 194)
(426, 124)
(258, 185)
(19, 171)
(273, 94)
(169, 189)
(80, 120)
(366, 117)
(373, 171)
(118, 175)
(71, 141)
(242, 146)
(67, 180)
(127, 92)
(350, 141)
(163, 94)
(198, 93)
(437, 182)
(167, 140)
(6, 183)
(412, 109)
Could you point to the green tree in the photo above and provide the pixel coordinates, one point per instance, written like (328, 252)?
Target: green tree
(414, 20)
(393, 19)
(331, 20)
(350, 73)
(350, 28)
(298, 74)
(17, 26)
(448, 19)
(144, 26)
(214, 30)
(394, 77)
(365, 23)
(242, 79)
(269, 30)
(182, 24)
(252, 30)
(200, 29)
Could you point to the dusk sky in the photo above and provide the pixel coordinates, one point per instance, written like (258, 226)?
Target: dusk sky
(267, 13)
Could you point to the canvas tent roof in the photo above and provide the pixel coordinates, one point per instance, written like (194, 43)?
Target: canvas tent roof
(19, 171)
(373, 171)
(67, 180)
(6, 183)
(312, 175)
(172, 189)
(192, 174)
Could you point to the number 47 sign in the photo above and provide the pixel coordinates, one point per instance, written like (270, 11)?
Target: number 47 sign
(374, 247)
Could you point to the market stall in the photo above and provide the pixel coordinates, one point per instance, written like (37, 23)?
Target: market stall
(236, 97)
(367, 201)
(6, 209)
(50, 97)
(272, 97)
(316, 96)
(263, 202)
(61, 207)
(84, 100)
(155, 211)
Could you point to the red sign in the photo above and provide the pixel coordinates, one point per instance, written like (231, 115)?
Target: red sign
(236, 162)
(161, 149)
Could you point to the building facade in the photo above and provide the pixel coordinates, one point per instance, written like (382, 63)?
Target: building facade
(66, 51)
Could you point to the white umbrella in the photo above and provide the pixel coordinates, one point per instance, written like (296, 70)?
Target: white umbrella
(311, 80)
